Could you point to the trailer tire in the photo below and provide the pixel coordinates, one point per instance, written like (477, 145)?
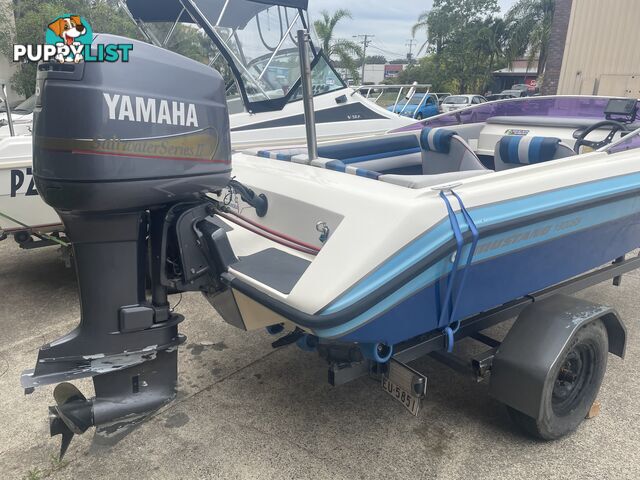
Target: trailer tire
(23, 236)
(572, 386)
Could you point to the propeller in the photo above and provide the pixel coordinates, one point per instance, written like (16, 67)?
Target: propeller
(72, 414)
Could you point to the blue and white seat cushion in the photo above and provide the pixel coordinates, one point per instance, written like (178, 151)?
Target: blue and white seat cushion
(369, 149)
(372, 154)
(339, 166)
(436, 139)
(513, 151)
(527, 150)
(282, 154)
(444, 151)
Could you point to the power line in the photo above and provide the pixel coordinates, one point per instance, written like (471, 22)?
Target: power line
(365, 43)
(389, 52)
(410, 43)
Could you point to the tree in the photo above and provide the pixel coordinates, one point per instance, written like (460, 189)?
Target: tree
(32, 18)
(529, 22)
(448, 17)
(464, 42)
(341, 49)
(375, 60)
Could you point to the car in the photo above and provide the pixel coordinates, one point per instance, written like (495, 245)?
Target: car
(442, 96)
(500, 96)
(417, 107)
(456, 102)
(514, 93)
(523, 87)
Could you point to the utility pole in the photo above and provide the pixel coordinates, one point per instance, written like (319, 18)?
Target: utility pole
(365, 43)
(410, 43)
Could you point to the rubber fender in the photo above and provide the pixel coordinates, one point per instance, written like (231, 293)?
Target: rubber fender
(275, 329)
(378, 352)
(307, 342)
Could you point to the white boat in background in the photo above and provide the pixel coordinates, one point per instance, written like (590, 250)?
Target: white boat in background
(265, 101)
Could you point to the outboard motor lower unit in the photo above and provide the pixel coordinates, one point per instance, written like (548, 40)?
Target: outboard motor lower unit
(125, 152)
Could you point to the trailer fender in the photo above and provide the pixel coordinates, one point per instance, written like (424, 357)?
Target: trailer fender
(533, 346)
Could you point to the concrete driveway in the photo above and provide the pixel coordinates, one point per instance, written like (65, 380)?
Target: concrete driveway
(246, 411)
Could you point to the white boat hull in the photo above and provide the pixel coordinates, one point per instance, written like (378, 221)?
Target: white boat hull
(350, 118)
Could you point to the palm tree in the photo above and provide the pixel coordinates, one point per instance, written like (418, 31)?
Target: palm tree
(428, 22)
(421, 24)
(491, 41)
(449, 19)
(341, 49)
(529, 23)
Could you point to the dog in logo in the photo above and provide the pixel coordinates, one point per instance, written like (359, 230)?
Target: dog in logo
(68, 29)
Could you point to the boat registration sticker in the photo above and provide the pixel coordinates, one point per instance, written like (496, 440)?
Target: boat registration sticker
(517, 132)
(16, 182)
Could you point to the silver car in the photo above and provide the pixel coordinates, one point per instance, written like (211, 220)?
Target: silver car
(456, 102)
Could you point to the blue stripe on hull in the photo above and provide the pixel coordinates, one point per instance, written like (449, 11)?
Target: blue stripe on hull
(494, 214)
(503, 278)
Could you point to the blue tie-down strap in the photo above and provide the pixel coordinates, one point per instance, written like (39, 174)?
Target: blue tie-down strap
(451, 300)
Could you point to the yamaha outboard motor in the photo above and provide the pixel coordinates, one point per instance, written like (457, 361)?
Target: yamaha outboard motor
(125, 153)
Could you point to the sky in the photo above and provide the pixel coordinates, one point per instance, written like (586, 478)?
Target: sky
(389, 20)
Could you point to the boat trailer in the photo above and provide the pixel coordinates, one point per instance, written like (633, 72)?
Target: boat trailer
(521, 368)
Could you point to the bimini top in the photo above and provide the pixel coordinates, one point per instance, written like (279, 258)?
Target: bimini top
(219, 13)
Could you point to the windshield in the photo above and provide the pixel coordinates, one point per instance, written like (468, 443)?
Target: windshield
(253, 44)
(628, 142)
(457, 100)
(265, 52)
(27, 106)
(556, 106)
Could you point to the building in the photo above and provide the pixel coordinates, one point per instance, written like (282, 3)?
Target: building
(373, 74)
(593, 49)
(393, 70)
(519, 72)
(377, 74)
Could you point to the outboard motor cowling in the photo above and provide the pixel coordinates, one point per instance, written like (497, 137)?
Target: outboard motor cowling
(124, 135)
(122, 150)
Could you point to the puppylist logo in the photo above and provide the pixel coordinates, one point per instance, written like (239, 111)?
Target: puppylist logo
(68, 38)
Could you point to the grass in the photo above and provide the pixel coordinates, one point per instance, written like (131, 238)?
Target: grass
(55, 465)
(33, 474)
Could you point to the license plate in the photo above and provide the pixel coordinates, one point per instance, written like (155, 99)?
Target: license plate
(400, 381)
(410, 402)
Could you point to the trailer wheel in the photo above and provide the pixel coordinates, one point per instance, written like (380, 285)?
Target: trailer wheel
(572, 388)
(22, 237)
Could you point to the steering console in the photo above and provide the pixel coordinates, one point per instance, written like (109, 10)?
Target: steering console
(613, 126)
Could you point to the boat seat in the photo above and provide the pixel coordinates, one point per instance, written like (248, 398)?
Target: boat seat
(423, 181)
(390, 153)
(444, 151)
(516, 151)
(379, 153)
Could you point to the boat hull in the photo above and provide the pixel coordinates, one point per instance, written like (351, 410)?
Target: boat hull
(510, 262)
